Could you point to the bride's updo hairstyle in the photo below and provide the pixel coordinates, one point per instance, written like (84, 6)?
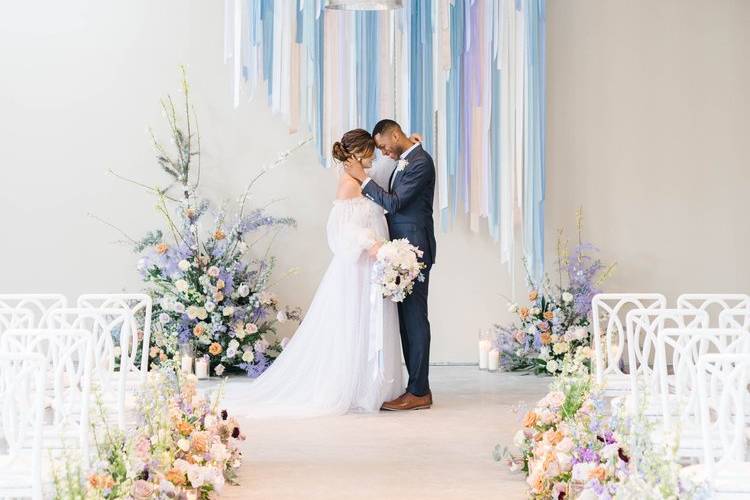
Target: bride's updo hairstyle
(357, 142)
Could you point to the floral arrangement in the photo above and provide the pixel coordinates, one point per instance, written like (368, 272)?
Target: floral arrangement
(396, 269)
(182, 443)
(211, 294)
(552, 334)
(569, 447)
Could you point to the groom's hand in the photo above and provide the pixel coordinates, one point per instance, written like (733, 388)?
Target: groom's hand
(354, 168)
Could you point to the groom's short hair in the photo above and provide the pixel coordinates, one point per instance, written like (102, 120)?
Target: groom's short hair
(384, 126)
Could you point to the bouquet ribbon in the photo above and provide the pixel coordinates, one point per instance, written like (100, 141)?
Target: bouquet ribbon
(375, 337)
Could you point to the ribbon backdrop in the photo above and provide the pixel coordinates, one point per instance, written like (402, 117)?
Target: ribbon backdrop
(467, 74)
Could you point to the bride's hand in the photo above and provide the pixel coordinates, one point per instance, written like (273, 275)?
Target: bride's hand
(373, 251)
(354, 168)
(415, 137)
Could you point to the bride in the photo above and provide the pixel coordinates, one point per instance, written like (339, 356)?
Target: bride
(346, 354)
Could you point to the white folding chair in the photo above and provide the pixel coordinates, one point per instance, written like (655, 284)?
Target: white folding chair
(682, 348)
(609, 311)
(140, 307)
(713, 303)
(68, 357)
(642, 328)
(735, 318)
(21, 411)
(110, 329)
(723, 399)
(39, 303)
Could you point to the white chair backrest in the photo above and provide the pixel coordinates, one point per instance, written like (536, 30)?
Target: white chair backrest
(16, 318)
(723, 396)
(22, 413)
(39, 303)
(682, 348)
(609, 311)
(642, 327)
(713, 303)
(140, 306)
(110, 329)
(735, 318)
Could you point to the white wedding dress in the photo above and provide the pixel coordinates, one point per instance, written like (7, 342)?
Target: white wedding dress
(346, 354)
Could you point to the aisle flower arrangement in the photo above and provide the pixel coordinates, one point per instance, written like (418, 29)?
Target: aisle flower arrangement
(210, 287)
(183, 446)
(569, 447)
(551, 334)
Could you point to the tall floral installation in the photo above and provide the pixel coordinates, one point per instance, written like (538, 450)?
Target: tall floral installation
(211, 293)
(183, 446)
(551, 334)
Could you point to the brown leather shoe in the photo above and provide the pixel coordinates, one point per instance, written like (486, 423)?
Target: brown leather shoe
(389, 404)
(409, 402)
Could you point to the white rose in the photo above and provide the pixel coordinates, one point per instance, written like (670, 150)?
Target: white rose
(201, 313)
(281, 316)
(183, 265)
(213, 271)
(181, 285)
(179, 307)
(192, 312)
(233, 344)
(535, 310)
(248, 356)
(231, 352)
(228, 311)
(243, 290)
(567, 297)
(210, 306)
(552, 366)
(512, 308)
(241, 334)
(183, 444)
(219, 370)
(251, 328)
(560, 347)
(164, 318)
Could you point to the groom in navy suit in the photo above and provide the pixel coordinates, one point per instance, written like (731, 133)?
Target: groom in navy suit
(408, 202)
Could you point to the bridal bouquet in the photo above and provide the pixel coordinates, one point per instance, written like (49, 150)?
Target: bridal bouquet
(211, 291)
(396, 269)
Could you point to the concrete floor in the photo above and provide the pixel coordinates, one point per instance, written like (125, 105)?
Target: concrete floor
(441, 453)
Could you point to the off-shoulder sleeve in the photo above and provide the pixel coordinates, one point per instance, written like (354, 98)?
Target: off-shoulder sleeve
(349, 229)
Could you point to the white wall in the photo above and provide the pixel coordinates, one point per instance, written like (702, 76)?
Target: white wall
(637, 91)
(648, 127)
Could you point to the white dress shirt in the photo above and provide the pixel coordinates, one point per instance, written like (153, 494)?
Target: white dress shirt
(403, 155)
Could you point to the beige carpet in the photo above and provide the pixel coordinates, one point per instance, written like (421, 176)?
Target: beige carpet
(441, 453)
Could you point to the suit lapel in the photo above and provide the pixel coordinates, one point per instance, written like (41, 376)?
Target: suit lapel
(394, 175)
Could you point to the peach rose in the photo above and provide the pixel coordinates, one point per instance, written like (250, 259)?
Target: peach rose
(549, 315)
(199, 330)
(598, 473)
(529, 420)
(219, 234)
(215, 349)
(101, 481)
(546, 338)
(176, 477)
(200, 442)
(523, 313)
(184, 428)
(161, 248)
(533, 295)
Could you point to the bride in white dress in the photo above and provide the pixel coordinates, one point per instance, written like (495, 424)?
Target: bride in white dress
(346, 354)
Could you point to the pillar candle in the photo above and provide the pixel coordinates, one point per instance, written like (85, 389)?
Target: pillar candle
(484, 349)
(493, 360)
(186, 363)
(201, 368)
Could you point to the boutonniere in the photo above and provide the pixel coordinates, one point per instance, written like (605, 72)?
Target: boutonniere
(401, 165)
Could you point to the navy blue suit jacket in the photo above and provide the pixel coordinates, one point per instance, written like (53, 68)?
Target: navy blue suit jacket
(409, 203)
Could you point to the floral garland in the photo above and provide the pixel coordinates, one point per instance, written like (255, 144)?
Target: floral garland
(211, 294)
(552, 333)
(182, 443)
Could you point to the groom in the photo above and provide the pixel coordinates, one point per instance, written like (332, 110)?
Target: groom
(408, 202)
